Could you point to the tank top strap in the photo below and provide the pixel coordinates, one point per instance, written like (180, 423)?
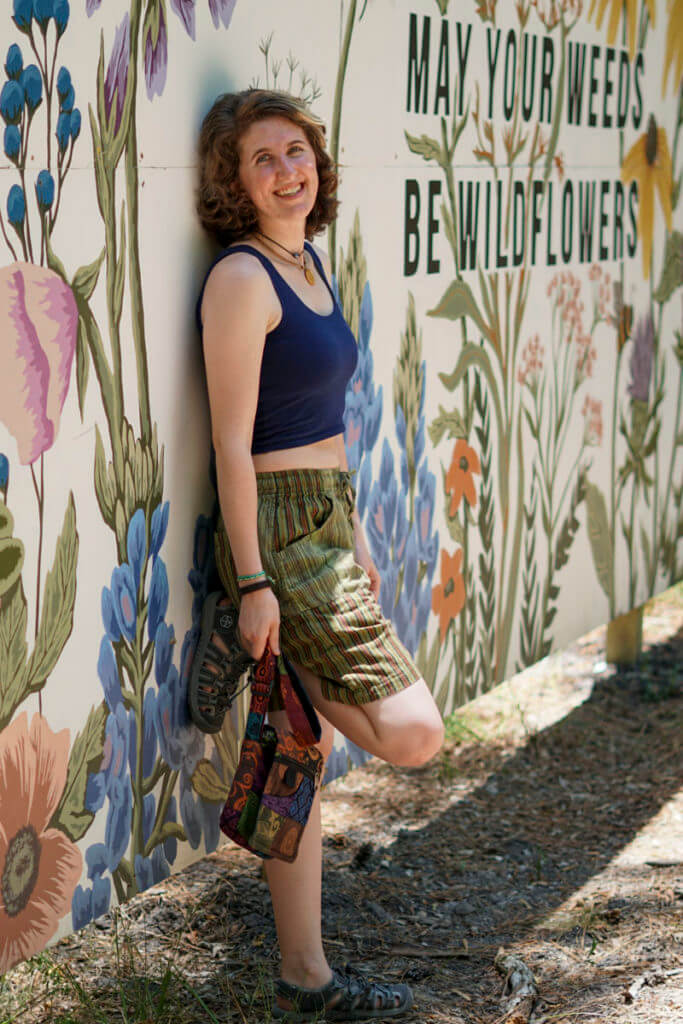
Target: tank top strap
(279, 284)
(319, 267)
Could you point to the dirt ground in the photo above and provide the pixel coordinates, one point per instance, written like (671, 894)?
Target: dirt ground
(550, 826)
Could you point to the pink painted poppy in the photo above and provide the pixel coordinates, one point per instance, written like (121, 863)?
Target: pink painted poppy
(39, 866)
(38, 325)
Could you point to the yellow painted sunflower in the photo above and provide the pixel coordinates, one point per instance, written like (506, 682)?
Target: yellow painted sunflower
(648, 162)
(630, 9)
(673, 57)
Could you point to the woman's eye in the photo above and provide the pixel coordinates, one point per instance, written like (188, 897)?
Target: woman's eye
(262, 158)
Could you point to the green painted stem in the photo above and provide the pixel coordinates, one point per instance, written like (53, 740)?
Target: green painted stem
(336, 118)
(135, 275)
(613, 484)
(156, 837)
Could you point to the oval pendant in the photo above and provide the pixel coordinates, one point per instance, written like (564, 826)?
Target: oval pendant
(308, 274)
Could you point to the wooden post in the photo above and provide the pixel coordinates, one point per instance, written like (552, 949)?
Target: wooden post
(625, 637)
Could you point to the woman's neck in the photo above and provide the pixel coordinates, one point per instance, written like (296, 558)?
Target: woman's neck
(290, 235)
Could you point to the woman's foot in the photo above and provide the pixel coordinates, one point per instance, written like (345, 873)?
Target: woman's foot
(348, 996)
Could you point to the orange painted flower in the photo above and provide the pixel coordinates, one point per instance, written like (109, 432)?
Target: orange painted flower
(39, 866)
(459, 479)
(448, 599)
(649, 163)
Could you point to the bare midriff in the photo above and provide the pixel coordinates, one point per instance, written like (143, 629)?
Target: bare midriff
(319, 455)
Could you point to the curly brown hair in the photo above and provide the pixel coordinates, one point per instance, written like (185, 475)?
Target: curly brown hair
(225, 210)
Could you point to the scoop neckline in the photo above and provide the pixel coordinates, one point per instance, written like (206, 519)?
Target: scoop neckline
(323, 316)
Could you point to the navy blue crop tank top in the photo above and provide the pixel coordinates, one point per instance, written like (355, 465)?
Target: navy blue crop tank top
(308, 360)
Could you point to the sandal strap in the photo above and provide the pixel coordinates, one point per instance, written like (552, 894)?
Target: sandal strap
(349, 995)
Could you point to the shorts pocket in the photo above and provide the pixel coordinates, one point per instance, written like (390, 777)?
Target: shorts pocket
(299, 518)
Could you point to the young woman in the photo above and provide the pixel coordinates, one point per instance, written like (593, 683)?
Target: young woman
(278, 358)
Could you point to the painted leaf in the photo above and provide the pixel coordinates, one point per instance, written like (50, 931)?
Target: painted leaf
(458, 301)
(82, 364)
(428, 662)
(59, 595)
(672, 271)
(11, 562)
(13, 651)
(6, 520)
(450, 423)
(599, 536)
(71, 817)
(85, 278)
(40, 322)
(208, 784)
(428, 149)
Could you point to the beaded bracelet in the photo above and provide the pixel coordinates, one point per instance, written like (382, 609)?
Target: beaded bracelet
(251, 576)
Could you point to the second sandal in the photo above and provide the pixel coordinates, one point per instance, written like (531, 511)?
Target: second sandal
(348, 996)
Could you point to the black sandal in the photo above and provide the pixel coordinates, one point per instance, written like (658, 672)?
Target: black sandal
(348, 996)
(216, 671)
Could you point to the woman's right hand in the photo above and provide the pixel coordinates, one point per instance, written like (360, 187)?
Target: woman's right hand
(259, 623)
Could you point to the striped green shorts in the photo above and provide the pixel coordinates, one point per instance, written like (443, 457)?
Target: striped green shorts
(330, 622)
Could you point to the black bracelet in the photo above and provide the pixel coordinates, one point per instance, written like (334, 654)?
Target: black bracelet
(261, 585)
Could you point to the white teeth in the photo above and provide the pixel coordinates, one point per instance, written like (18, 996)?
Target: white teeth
(289, 191)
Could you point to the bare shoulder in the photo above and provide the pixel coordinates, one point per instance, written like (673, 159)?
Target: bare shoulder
(237, 281)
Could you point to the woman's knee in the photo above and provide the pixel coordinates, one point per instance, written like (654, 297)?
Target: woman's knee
(416, 743)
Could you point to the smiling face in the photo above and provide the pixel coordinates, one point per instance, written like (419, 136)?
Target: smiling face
(278, 172)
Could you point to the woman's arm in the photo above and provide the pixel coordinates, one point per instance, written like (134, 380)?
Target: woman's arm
(236, 313)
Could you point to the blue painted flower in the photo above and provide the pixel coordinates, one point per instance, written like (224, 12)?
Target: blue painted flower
(124, 596)
(158, 597)
(63, 81)
(95, 792)
(158, 528)
(32, 85)
(12, 142)
(4, 472)
(16, 206)
(11, 102)
(109, 618)
(119, 819)
(81, 907)
(75, 123)
(136, 544)
(67, 101)
(63, 131)
(14, 62)
(23, 14)
(60, 13)
(96, 860)
(115, 753)
(108, 672)
(42, 12)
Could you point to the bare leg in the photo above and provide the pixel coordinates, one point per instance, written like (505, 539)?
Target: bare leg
(404, 729)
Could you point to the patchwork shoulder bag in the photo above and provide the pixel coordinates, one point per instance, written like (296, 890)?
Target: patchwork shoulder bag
(278, 772)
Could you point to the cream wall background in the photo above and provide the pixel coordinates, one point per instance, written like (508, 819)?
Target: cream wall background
(543, 495)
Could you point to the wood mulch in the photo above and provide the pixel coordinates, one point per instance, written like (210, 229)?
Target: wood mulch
(550, 827)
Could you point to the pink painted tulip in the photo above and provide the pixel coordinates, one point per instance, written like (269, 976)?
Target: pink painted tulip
(38, 327)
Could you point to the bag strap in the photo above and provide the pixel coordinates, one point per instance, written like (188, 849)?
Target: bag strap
(301, 713)
(263, 675)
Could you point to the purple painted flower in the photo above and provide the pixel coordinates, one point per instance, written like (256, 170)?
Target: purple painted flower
(185, 9)
(91, 6)
(40, 322)
(641, 359)
(222, 10)
(116, 78)
(156, 54)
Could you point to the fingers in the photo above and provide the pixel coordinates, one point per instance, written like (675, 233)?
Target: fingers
(274, 638)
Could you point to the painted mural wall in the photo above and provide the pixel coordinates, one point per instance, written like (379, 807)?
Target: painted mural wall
(510, 257)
